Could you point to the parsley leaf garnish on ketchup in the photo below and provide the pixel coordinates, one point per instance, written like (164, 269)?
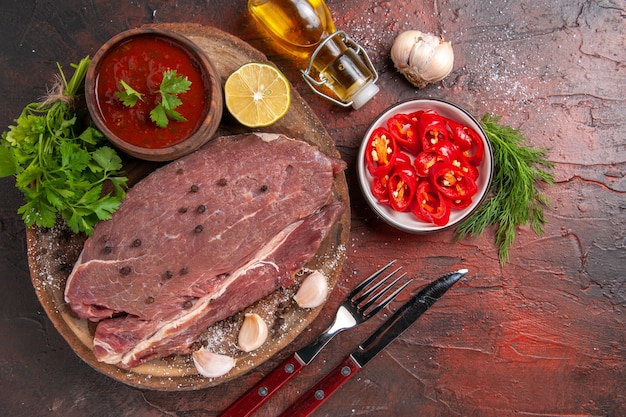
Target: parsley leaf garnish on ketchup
(171, 86)
(129, 96)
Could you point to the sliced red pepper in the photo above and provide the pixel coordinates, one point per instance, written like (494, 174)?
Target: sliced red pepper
(447, 149)
(461, 162)
(425, 161)
(415, 116)
(476, 151)
(431, 129)
(453, 182)
(379, 189)
(401, 187)
(429, 204)
(405, 132)
(402, 158)
(381, 152)
(459, 136)
(441, 152)
(459, 204)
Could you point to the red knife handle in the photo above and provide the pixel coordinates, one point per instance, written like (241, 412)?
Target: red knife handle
(316, 396)
(265, 388)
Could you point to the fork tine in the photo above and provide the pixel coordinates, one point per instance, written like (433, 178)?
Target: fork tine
(381, 292)
(370, 291)
(389, 299)
(366, 281)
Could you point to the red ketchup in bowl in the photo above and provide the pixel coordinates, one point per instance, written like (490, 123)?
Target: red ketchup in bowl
(140, 62)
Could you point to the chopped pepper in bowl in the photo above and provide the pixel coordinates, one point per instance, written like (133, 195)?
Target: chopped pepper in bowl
(425, 165)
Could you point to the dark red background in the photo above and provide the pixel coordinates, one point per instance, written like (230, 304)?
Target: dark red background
(541, 335)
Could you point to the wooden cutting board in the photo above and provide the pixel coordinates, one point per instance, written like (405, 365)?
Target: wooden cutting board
(53, 252)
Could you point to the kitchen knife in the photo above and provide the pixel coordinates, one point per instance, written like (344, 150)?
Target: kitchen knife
(385, 334)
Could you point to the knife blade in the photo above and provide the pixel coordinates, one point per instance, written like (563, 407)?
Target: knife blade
(401, 320)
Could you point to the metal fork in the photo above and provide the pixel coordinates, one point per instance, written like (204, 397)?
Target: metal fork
(359, 306)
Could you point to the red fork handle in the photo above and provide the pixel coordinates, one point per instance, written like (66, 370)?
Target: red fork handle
(265, 388)
(316, 396)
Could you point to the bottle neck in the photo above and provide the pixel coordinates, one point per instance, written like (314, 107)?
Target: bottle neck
(342, 66)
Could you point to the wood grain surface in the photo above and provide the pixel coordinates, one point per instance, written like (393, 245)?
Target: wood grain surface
(542, 335)
(52, 252)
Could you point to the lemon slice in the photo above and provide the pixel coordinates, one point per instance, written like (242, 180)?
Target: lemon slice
(257, 94)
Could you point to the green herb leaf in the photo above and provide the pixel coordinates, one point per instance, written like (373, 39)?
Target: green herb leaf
(107, 158)
(171, 85)
(106, 207)
(8, 164)
(174, 115)
(38, 211)
(514, 197)
(91, 136)
(129, 96)
(158, 116)
(59, 165)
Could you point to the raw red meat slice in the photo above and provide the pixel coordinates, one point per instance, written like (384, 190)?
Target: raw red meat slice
(200, 239)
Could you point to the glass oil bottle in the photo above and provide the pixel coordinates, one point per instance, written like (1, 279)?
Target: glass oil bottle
(336, 63)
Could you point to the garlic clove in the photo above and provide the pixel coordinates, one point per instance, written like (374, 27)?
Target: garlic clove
(253, 332)
(210, 364)
(423, 51)
(440, 63)
(422, 58)
(313, 291)
(402, 46)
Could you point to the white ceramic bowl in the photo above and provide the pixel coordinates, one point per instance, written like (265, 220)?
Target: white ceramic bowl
(407, 221)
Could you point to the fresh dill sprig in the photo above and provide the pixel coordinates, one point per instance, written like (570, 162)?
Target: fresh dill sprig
(514, 198)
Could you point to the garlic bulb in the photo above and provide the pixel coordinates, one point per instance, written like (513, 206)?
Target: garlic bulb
(253, 332)
(313, 291)
(210, 364)
(422, 58)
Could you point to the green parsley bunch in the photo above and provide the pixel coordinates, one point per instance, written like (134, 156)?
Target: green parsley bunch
(60, 165)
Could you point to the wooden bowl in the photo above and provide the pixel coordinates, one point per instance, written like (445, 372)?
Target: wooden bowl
(139, 57)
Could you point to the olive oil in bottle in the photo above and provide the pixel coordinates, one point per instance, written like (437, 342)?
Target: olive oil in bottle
(305, 29)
